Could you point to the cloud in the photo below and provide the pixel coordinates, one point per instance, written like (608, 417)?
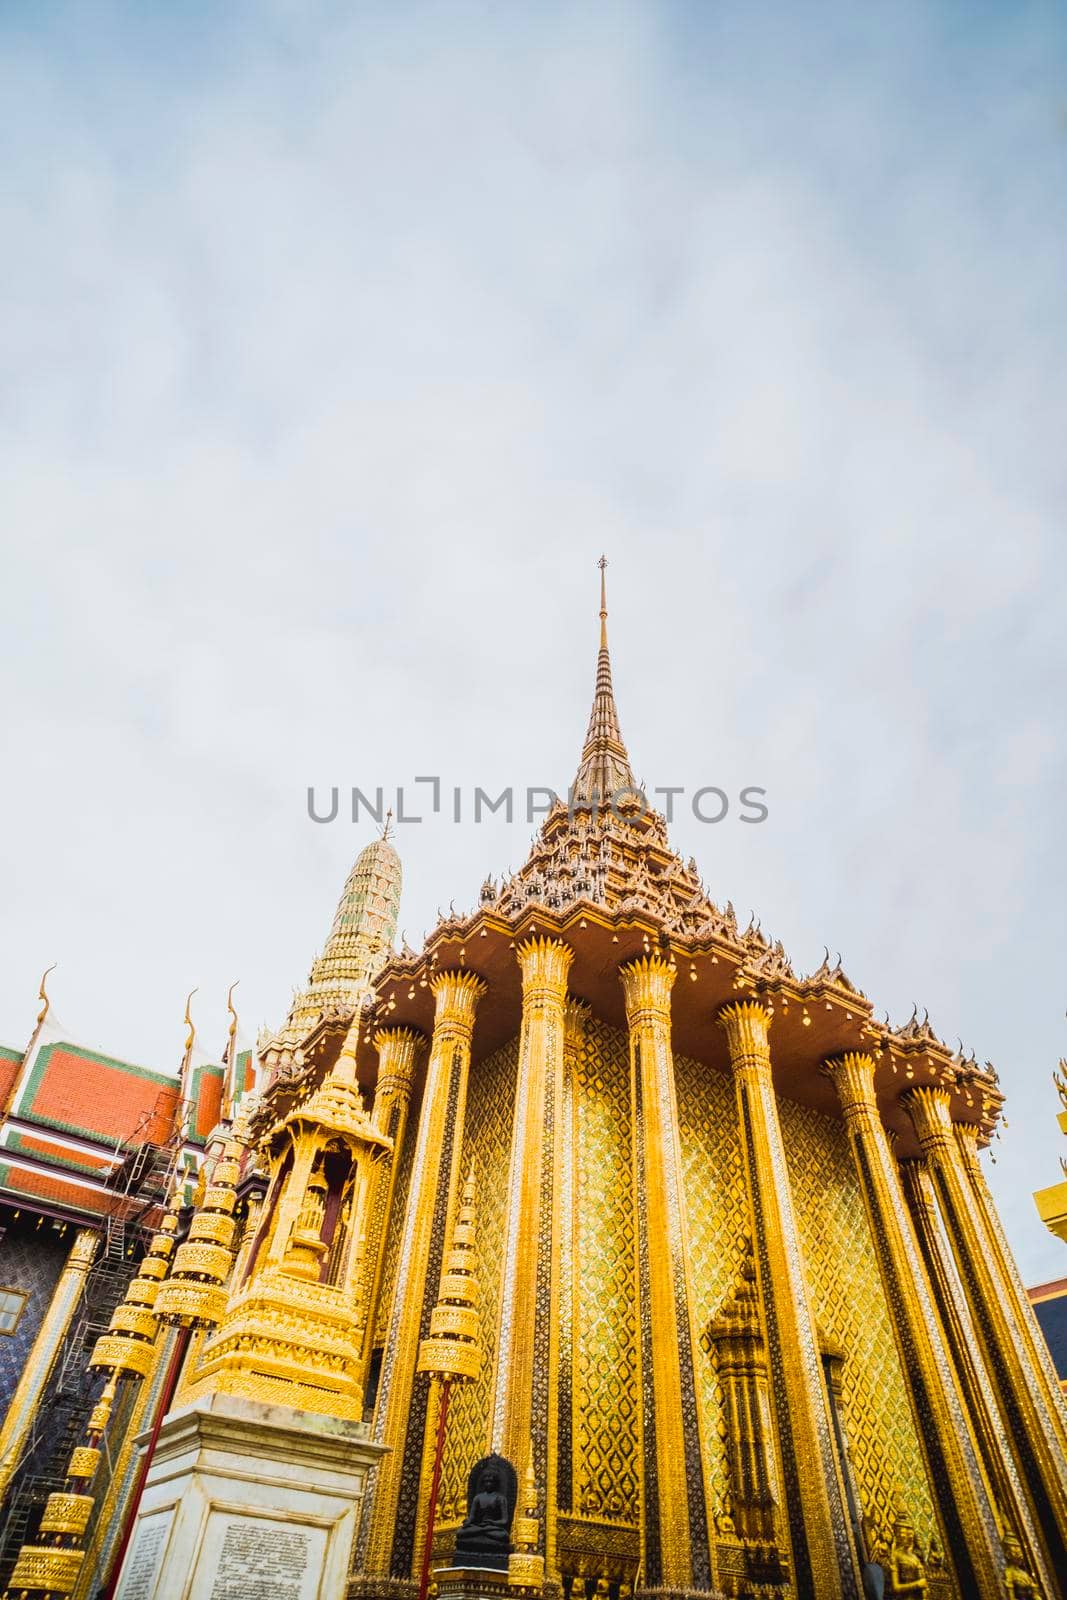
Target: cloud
(337, 346)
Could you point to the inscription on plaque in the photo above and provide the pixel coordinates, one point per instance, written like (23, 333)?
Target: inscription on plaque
(140, 1572)
(261, 1561)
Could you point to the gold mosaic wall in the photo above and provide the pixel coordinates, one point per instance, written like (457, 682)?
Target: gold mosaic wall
(606, 1470)
(849, 1306)
(851, 1312)
(486, 1143)
(847, 1298)
(715, 1200)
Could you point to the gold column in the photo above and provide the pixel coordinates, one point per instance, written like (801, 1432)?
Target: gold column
(1031, 1426)
(524, 1398)
(400, 1414)
(967, 1522)
(1003, 1264)
(675, 1545)
(398, 1050)
(575, 1017)
(35, 1374)
(824, 1564)
(983, 1415)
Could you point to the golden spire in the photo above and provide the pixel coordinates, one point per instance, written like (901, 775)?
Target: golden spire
(605, 766)
(359, 944)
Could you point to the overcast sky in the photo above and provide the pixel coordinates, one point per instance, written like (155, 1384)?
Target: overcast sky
(336, 343)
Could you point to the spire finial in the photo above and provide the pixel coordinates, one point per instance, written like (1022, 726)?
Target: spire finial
(604, 770)
(387, 826)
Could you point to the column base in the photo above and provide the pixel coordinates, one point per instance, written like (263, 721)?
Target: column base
(365, 1587)
(244, 1498)
(681, 1594)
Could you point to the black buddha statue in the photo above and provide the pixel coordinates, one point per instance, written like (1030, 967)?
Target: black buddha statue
(484, 1539)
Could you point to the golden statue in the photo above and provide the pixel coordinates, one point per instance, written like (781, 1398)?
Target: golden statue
(906, 1572)
(1020, 1584)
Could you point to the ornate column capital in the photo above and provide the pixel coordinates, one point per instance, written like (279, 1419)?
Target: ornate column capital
(456, 993)
(545, 964)
(397, 1050)
(647, 983)
(746, 1024)
(576, 1014)
(83, 1250)
(929, 1109)
(852, 1075)
(967, 1135)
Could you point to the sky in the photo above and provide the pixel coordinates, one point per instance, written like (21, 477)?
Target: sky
(336, 344)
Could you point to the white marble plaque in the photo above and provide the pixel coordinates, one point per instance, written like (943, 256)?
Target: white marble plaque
(142, 1563)
(261, 1560)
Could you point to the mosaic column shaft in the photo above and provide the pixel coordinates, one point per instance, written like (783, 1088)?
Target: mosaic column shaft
(524, 1401)
(675, 1541)
(39, 1363)
(403, 1395)
(824, 1565)
(398, 1050)
(980, 1403)
(1002, 1263)
(967, 1522)
(1032, 1432)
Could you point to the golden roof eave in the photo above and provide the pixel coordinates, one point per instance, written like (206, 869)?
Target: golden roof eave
(815, 1017)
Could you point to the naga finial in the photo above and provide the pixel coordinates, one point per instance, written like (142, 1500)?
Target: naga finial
(188, 1020)
(1059, 1078)
(42, 994)
(232, 1030)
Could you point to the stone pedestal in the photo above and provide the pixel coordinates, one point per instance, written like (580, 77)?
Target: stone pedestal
(473, 1583)
(247, 1501)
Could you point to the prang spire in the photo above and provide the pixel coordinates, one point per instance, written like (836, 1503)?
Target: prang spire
(605, 766)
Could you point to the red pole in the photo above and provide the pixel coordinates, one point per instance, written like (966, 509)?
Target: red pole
(435, 1486)
(181, 1346)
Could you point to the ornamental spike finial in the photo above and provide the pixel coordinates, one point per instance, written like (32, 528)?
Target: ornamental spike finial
(453, 1350)
(195, 1295)
(51, 1566)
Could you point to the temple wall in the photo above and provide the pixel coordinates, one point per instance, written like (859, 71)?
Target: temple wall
(486, 1143)
(605, 1431)
(851, 1311)
(597, 1381)
(718, 1226)
(32, 1256)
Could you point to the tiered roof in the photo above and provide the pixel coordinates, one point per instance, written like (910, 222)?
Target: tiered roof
(604, 876)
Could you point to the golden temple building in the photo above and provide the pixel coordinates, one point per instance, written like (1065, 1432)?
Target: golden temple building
(595, 1183)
